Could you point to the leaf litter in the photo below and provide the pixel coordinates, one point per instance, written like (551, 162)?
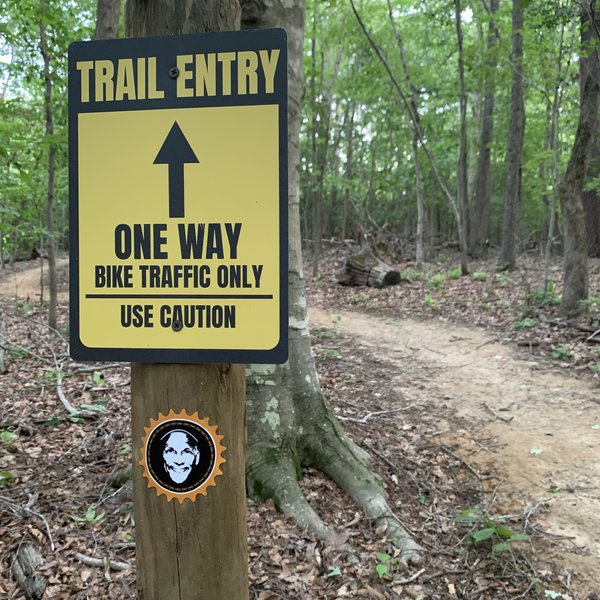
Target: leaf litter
(68, 491)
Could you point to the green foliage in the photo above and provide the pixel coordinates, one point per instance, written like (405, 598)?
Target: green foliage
(523, 323)
(98, 378)
(486, 528)
(91, 517)
(6, 478)
(430, 302)
(480, 276)
(6, 436)
(334, 572)
(433, 283)
(561, 352)
(385, 564)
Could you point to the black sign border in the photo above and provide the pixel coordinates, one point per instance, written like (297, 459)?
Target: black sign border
(166, 49)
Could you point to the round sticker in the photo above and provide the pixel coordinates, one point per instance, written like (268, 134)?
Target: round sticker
(181, 455)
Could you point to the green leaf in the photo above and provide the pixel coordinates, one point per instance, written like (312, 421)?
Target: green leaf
(484, 534)
(6, 436)
(98, 378)
(383, 557)
(500, 548)
(520, 537)
(381, 569)
(334, 572)
(468, 515)
(504, 532)
(6, 478)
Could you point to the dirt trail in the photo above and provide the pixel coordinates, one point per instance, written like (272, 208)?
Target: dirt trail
(551, 441)
(25, 284)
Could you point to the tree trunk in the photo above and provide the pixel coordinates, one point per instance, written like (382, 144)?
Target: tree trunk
(512, 198)
(349, 171)
(51, 250)
(419, 253)
(415, 120)
(108, 13)
(290, 424)
(591, 209)
(462, 167)
(553, 143)
(591, 198)
(575, 279)
(480, 223)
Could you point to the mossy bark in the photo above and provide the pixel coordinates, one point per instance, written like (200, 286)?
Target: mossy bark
(575, 279)
(290, 425)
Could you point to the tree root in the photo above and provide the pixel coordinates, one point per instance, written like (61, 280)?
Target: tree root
(278, 480)
(334, 454)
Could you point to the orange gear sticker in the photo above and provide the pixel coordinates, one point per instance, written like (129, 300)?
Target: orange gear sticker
(181, 455)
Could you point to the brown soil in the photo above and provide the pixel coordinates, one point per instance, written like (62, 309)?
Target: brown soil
(533, 430)
(23, 282)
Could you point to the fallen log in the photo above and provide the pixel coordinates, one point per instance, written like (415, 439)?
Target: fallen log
(365, 268)
(26, 561)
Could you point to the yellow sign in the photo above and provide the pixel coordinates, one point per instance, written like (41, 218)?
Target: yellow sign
(179, 198)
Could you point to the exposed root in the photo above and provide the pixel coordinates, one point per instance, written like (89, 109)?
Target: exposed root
(278, 481)
(327, 448)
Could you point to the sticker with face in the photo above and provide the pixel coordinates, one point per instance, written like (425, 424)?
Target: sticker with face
(181, 455)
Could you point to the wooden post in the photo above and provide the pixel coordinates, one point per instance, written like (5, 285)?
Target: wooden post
(196, 548)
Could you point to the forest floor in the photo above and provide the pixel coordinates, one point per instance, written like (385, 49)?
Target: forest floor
(477, 403)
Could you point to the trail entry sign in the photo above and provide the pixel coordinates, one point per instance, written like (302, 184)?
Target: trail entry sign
(178, 198)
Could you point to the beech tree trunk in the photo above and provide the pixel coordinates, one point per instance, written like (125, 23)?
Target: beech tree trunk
(591, 198)
(462, 190)
(349, 171)
(108, 13)
(51, 249)
(480, 221)
(512, 197)
(575, 279)
(290, 424)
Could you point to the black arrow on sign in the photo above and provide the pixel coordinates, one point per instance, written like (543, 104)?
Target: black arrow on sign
(175, 152)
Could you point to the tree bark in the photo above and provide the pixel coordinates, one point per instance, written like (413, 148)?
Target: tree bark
(461, 167)
(349, 171)
(26, 561)
(170, 17)
(51, 250)
(290, 424)
(575, 278)
(516, 132)
(366, 269)
(415, 120)
(591, 198)
(108, 13)
(480, 223)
